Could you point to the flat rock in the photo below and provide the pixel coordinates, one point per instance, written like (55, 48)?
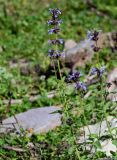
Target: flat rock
(38, 120)
(100, 129)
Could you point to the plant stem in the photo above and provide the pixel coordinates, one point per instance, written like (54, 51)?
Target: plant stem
(75, 141)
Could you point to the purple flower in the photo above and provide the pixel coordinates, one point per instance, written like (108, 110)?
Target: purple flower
(50, 22)
(51, 51)
(59, 21)
(93, 35)
(80, 86)
(102, 70)
(94, 71)
(63, 54)
(54, 22)
(97, 71)
(54, 54)
(52, 41)
(54, 30)
(89, 35)
(55, 12)
(56, 41)
(74, 77)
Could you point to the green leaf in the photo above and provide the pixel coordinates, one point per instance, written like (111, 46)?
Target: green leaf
(114, 142)
(97, 144)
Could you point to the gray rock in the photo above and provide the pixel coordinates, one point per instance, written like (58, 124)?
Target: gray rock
(36, 120)
(101, 129)
(80, 54)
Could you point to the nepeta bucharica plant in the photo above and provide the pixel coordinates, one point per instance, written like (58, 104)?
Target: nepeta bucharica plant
(55, 53)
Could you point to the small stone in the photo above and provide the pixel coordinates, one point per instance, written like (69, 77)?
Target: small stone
(1, 49)
(34, 121)
(70, 44)
(14, 63)
(25, 71)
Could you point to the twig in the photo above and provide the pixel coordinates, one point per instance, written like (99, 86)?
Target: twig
(14, 149)
(31, 98)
